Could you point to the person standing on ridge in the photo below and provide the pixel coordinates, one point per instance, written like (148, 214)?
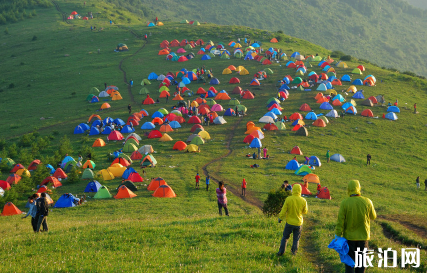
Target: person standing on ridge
(131, 82)
(130, 108)
(207, 182)
(418, 182)
(354, 222)
(244, 187)
(293, 209)
(197, 177)
(368, 159)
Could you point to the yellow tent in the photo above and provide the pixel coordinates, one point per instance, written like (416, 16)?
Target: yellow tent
(237, 45)
(299, 73)
(159, 24)
(194, 104)
(240, 68)
(192, 148)
(20, 172)
(330, 70)
(205, 135)
(352, 89)
(117, 97)
(331, 91)
(244, 71)
(165, 137)
(342, 65)
(226, 71)
(106, 175)
(117, 171)
(163, 88)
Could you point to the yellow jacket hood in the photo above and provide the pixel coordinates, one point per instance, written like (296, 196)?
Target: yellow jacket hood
(353, 187)
(296, 190)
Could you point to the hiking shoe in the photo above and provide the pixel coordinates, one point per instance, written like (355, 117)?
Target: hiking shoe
(279, 254)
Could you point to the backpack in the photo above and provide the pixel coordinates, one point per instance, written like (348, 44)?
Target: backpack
(42, 207)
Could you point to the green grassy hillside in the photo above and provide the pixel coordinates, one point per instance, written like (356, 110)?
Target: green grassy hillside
(384, 32)
(44, 83)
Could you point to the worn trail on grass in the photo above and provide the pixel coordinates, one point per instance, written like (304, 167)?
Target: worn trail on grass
(64, 15)
(132, 98)
(420, 231)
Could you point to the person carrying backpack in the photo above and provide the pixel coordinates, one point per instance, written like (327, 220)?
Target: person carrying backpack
(42, 212)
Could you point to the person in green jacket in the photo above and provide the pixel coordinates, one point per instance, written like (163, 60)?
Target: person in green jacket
(293, 209)
(354, 217)
(327, 156)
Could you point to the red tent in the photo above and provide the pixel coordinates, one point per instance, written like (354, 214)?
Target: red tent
(135, 177)
(10, 209)
(16, 168)
(115, 135)
(155, 134)
(305, 108)
(50, 179)
(4, 185)
(59, 173)
(323, 193)
(194, 119)
(248, 139)
(136, 155)
(296, 151)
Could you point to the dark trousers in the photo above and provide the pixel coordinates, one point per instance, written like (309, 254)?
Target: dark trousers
(220, 206)
(352, 247)
(42, 220)
(296, 230)
(34, 223)
(207, 187)
(244, 191)
(197, 185)
(368, 162)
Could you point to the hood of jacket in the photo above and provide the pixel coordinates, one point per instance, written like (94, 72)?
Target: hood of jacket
(353, 187)
(296, 190)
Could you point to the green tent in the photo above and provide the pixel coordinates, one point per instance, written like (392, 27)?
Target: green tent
(317, 59)
(10, 163)
(88, 174)
(242, 108)
(196, 23)
(268, 71)
(198, 130)
(297, 80)
(69, 165)
(284, 58)
(238, 54)
(356, 71)
(211, 55)
(180, 74)
(175, 58)
(225, 56)
(273, 99)
(103, 193)
(129, 148)
(210, 102)
(163, 111)
(89, 97)
(233, 102)
(144, 91)
(146, 81)
(299, 73)
(197, 140)
(221, 43)
(330, 74)
(92, 165)
(300, 88)
(201, 79)
(94, 90)
(129, 184)
(184, 22)
(188, 46)
(176, 112)
(325, 119)
(280, 125)
(125, 156)
(310, 59)
(148, 160)
(303, 169)
(307, 64)
(133, 141)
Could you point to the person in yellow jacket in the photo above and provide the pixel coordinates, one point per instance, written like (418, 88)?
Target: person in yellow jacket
(354, 217)
(293, 209)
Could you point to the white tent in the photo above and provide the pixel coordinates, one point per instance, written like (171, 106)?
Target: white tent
(332, 114)
(266, 119)
(219, 120)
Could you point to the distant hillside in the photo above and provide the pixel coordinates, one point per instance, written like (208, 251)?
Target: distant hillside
(18, 10)
(419, 3)
(384, 31)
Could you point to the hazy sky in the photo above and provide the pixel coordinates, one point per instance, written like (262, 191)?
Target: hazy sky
(419, 3)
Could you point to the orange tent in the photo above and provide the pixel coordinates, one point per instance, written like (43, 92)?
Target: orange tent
(373, 99)
(249, 125)
(164, 94)
(164, 191)
(367, 113)
(124, 192)
(255, 82)
(336, 103)
(296, 151)
(51, 179)
(13, 179)
(311, 178)
(200, 100)
(248, 95)
(232, 67)
(305, 108)
(94, 117)
(148, 100)
(164, 52)
(179, 145)
(136, 155)
(336, 82)
(318, 96)
(304, 84)
(99, 143)
(34, 164)
(319, 123)
(304, 189)
(122, 161)
(105, 105)
(155, 183)
(166, 128)
(295, 116)
(270, 127)
(59, 173)
(178, 97)
(324, 193)
(322, 100)
(213, 114)
(222, 96)
(10, 209)
(251, 129)
(274, 40)
(157, 121)
(204, 110)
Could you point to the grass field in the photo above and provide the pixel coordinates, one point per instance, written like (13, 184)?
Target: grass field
(185, 233)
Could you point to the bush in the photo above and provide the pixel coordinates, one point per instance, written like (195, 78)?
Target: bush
(12, 151)
(34, 38)
(274, 202)
(65, 146)
(6, 31)
(337, 54)
(25, 157)
(26, 140)
(73, 176)
(2, 144)
(346, 58)
(12, 85)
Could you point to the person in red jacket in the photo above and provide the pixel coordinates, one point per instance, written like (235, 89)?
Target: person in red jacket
(197, 177)
(244, 187)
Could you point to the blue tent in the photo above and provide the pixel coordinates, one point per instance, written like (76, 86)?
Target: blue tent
(210, 94)
(358, 95)
(157, 114)
(51, 168)
(175, 124)
(328, 85)
(93, 186)
(108, 120)
(346, 105)
(148, 126)
(351, 110)
(357, 82)
(339, 97)
(152, 76)
(346, 78)
(276, 111)
(331, 78)
(186, 80)
(107, 130)
(248, 57)
(326, 68)
(295, 122)
(287, 81)
(295, 54)
(256, 143)
(127, 129)
(65, 201)
(96, 122)
(312, 73)
(337, 158)
(151, 24)
(255, 45)
(214, 81)
(94, 99)
(116, 154)
(94, 131)
(119, 122)
(370, 76)
(393, 109)
(128, 172)
(206, 57)
(301, 172)
(326, 106)
(311, 115)
(192, 75)
(391, 116)
(78, 130)
(320, 64)
(292, 165)
(271, 103)
(284, 86)
(229, 112)
(84, 126)
(270, 114)
(314, 161)
(322, 87)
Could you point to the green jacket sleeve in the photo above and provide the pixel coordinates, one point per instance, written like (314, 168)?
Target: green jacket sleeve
(372, 213)
(305, 208)
(339, 229)
(282, 214)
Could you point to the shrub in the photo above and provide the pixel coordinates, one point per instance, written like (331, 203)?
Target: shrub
(12, 85)
(2, 144)
(13, 151)
(73, 176)
(65, 146)
(6, 31)
(346, 58)
(274, 202)
(34, 38)
(26, 140)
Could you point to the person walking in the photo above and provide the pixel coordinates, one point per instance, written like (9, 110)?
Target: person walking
(42, 213)
(105, 84)
(415, 108)
(197, 177)
(418, 182)
(221, 194)
(293, 209)
(244, 187)
(354, 218)
(130, 108)
(425, 184)
(167, 98)
(32, 211)
(265, 150)
(131, 82)
(207, 182)
(327, 156)
(368, 159)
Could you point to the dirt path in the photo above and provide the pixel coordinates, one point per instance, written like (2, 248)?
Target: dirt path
(64, 15)
(419, 230)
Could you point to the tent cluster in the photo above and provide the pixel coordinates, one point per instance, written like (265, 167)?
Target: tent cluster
(76, 15)
(110, 93)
